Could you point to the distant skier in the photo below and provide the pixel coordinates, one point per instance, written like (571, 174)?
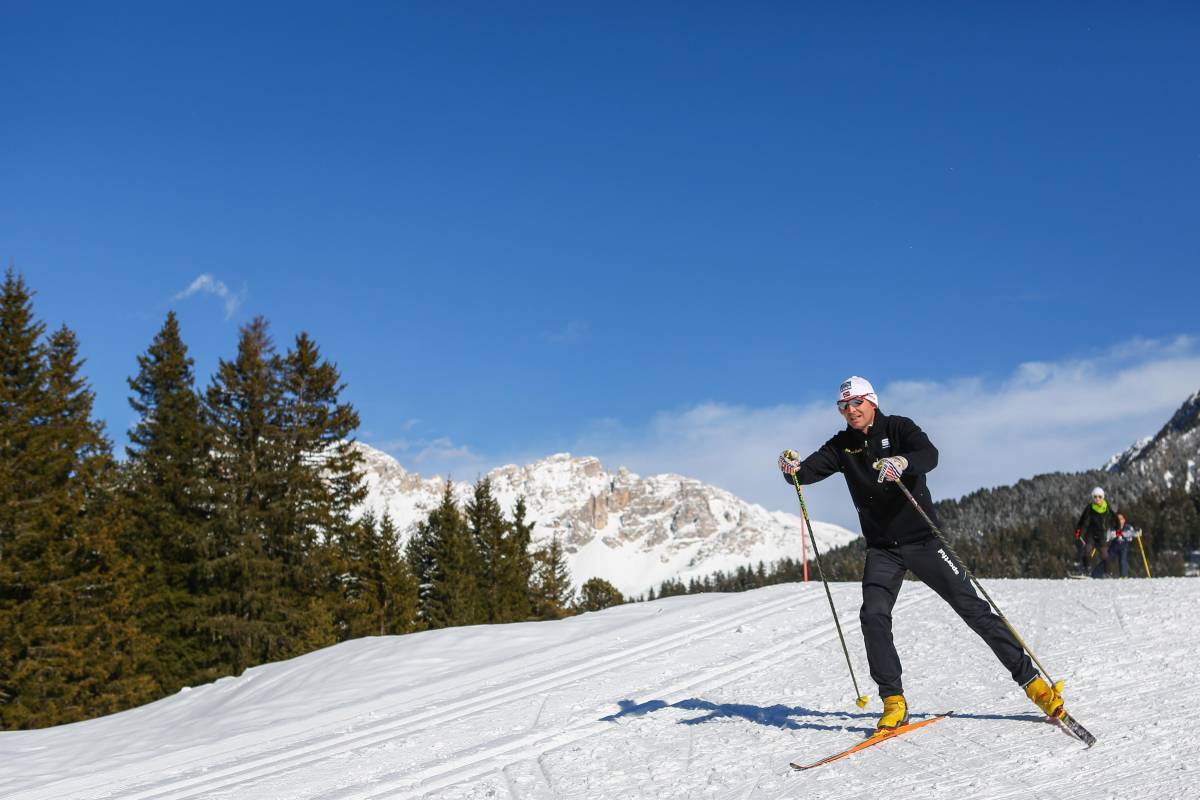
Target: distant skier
(1091, 533)
(1118, 545)
(872, 449)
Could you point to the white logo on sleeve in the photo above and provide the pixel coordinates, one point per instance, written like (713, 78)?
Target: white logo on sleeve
(885, 443)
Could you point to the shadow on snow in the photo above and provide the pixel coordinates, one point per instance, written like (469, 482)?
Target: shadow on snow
(781, 716)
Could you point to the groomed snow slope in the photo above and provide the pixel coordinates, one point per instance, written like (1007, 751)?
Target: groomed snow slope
(700, 696)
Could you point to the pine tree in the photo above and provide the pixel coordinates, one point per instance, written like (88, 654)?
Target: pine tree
(597, 594)
(515, 594)
(552, 581)
(395, 587)
(269, 597)
(418, 554)
(324, 478)
(23, 542)
(489, 532)
(378, 590)
(71, 645)
(452, 597)
(169, 496)
(81, 652)
(22, 415)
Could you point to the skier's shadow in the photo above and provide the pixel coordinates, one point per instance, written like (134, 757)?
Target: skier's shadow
(781, 716)
(776, 716)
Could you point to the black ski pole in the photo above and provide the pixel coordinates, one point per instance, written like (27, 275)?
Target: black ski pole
(861, 699)
(1058, 685)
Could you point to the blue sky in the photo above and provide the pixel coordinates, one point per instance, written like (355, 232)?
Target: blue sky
(660, 234)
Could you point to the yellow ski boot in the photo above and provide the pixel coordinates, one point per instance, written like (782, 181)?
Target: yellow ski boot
(1048, 698)
(895, 713)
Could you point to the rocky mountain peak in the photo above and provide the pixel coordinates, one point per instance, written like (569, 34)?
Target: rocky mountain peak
(634, 532)
(1170, 456)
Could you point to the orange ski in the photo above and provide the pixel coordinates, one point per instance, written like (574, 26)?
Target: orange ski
(875, 738)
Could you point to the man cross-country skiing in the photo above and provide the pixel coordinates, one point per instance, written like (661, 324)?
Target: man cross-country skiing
(874, 450)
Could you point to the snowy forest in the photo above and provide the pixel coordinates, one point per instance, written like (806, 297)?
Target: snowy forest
(226, 537)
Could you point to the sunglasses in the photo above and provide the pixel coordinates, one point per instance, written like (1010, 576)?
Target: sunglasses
(856, 402)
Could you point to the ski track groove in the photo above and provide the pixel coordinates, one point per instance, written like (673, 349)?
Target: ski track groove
(473, 765)
(550, 782)
(541, 708)
(508, 782)
(317, 745)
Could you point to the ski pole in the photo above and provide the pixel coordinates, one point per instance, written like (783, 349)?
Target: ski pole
(1145, 563)
(861, 700)
(1058, 685)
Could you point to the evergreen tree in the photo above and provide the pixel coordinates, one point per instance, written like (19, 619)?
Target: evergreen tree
(70, 643)
(23, 541)
(169, 497)
(453, 596)
(597, 594)
(515, 594)
(552, 581)
(77, 645)
(395, 587)
(489, 532)
(268, 601)
(323, 470)
(418, 554)
(23, 412)
(379, 591)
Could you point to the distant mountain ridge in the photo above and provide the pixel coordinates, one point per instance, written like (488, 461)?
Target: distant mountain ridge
(1155, 465)
(632, 531)
(1172, 453)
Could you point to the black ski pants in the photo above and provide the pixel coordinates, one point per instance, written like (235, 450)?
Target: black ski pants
(883, 574)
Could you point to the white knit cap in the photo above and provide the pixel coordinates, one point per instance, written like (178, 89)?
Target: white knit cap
(856, 386)
(1097, 491)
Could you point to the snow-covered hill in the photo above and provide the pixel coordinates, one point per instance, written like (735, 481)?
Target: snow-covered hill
(697, 696)
(1169, 458)
(1152, 466)
(634, 532)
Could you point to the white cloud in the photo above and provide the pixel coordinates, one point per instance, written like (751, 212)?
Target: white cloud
(207, 284)
(437, 456)
(1046, 416)
(1043, 417)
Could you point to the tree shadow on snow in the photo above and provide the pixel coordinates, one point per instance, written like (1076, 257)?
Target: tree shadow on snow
(781, 716)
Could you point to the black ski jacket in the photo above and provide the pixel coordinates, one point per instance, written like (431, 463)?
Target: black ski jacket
(884, 513)
(1095, 526)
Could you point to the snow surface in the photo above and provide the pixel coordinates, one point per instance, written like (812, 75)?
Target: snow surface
(698, 696)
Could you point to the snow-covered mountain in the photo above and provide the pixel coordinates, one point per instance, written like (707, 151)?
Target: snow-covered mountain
(1168, 458)
(634, 532)
(1152, 466)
